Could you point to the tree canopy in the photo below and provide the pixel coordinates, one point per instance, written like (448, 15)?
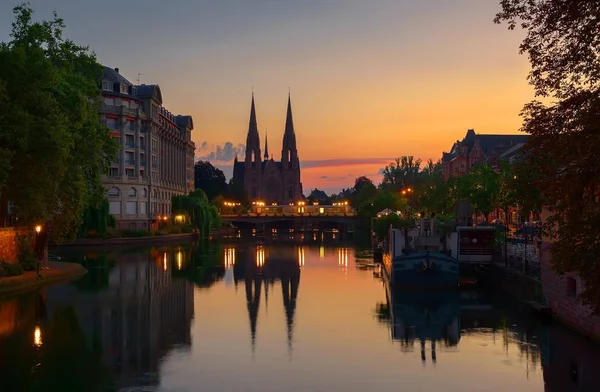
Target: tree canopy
(53, 148)
(203, 215)
(562, 154)
(210, 179)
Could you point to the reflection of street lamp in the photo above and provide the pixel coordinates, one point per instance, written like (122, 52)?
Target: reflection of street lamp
(38, 230)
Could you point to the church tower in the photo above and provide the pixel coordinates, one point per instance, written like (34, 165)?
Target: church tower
(253, 165)
(290, 164)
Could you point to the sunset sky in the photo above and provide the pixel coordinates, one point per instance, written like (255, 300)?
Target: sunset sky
(370, 80)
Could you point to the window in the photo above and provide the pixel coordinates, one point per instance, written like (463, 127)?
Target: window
(111, 123)
(144, 192)
(132, 192)
(113, 172)
(109, 101)
(130, 172)
(113, 192)
(143, 208)
(131, 207)
(114, 208)
(107, 86)
(129, 141)
(131, 125)
(129, 158)
(124, 89)
(133, 226)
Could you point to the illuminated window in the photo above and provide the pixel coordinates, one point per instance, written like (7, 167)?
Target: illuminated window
(321, 210)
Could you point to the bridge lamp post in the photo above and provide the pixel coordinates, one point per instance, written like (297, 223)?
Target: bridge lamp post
(408, 192)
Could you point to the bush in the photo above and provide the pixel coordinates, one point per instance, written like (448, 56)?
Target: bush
(8, 269)
(26, 254)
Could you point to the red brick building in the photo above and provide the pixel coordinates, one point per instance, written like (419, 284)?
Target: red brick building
(478, 148)
(561, 294)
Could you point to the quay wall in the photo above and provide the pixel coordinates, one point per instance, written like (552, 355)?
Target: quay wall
(9, 244)
(561, 294)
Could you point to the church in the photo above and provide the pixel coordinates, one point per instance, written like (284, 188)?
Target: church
(262, 177)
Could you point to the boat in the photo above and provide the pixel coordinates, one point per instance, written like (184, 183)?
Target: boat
(419, 259)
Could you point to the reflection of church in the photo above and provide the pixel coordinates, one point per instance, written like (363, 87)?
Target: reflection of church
(260, 268)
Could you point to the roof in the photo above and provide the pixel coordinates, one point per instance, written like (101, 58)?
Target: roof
(149, 91)
(489, 143)
(115, 77)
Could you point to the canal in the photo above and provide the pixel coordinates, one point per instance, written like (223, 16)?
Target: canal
(304, 316)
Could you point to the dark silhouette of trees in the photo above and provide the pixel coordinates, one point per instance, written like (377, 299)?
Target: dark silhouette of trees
(210, 179)
(562, 45)
(53, 149)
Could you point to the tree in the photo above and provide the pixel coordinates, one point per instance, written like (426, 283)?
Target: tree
(563, 48)
(210, 179)
(360, 182)
(203, 215)
(484, 186)
(53, 149)
(401, 173)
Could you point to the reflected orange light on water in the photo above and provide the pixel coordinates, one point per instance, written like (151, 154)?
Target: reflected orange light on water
(37, 336)
(260, 256)
(179, 260)
(343, 257)
(301, 256)
(229, 257)
(165, 262)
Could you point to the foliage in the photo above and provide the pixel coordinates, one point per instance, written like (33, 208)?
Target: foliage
(26, 255)
(210, 179)
(318, 196)
(202, 214)
(382, 225)
(10, 269)
(361, 182)
(52, 147)
(96, 220)
(563, 48)
(401, 173)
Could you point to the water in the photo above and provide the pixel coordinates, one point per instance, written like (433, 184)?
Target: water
(284, 317)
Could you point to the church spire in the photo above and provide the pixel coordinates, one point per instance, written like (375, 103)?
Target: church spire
(252, 127)
(289, 122)
(253, 139)
(266, 147)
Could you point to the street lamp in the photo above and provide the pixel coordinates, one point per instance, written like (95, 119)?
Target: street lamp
(38, 230)
(408, 191)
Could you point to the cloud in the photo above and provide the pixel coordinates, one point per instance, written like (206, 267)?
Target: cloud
(225, 152)
(324, 177)
(344, 162)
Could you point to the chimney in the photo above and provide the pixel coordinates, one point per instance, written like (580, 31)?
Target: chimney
(117, 70)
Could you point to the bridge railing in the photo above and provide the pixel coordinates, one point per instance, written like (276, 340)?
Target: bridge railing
(284, 215)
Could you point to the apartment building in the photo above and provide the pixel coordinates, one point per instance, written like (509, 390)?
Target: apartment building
(156, 159)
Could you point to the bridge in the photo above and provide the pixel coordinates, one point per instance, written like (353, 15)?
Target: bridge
(299, 217)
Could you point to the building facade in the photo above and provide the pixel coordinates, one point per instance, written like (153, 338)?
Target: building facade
(269, 180)
(478, 148)
(560, 293)
(156, 158)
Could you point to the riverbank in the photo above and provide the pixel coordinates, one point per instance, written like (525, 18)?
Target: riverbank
(151, 239)
(57, 272)
(156, 239)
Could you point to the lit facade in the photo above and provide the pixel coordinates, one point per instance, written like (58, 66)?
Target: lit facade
(478, 148)
(156, 158)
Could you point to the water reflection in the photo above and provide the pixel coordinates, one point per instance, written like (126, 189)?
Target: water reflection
(269, 267)
(129, 325)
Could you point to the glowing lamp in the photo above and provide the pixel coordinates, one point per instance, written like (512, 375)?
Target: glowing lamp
(38, 229)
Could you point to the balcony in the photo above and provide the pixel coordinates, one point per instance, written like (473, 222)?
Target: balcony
(121, 110)
(129, 145)
(130, 162)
